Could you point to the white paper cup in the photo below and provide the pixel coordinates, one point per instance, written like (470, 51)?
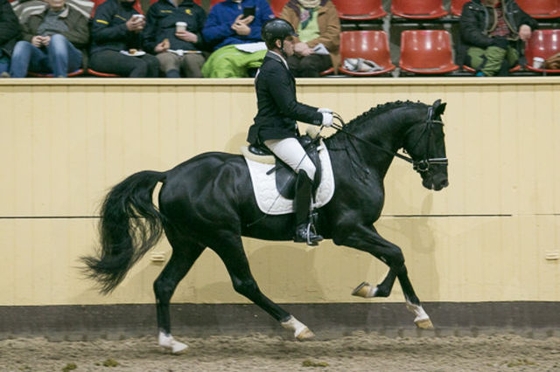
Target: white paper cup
(138, 16)
(181, 26)
(538, 62)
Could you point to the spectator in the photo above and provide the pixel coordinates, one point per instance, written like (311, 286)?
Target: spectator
(10, 33)
(177, 49)
(492, 34)
(116, 34)
(230, 24)
(275, 125)
(318, 27)
(51, 41)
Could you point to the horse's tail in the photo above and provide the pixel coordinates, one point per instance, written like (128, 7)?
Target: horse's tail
(130, 225)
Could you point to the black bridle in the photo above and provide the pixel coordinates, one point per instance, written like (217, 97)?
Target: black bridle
(420, 166)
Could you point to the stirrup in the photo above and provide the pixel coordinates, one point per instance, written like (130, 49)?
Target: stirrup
(306, 234)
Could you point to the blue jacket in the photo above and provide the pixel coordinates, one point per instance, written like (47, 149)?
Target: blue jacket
(217, 31)
(160, 24)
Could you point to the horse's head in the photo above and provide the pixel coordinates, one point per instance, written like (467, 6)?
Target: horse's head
(425, 143)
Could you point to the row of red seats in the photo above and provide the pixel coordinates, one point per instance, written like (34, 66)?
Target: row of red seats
(362, 10)
(429, 52)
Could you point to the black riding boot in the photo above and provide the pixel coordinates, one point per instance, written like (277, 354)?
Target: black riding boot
(305, 232)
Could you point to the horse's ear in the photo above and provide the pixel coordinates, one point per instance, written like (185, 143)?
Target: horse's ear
(439, 108)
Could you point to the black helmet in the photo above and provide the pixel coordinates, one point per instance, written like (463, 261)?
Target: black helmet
(276, 28)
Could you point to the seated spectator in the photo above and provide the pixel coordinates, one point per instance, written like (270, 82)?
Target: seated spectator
(317, 44)
(10, 33)
(115, 33)
(177, 47)
(230, 24)
(51, 43)
(493, 33)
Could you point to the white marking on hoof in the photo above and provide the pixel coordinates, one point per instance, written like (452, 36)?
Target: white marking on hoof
(365, 290)
(169, 343)
(422, 319)
(301, 332)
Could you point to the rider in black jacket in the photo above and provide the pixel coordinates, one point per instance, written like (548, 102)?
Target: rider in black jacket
(275, 124)
(493, 33)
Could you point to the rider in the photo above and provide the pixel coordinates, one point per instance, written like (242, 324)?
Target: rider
(275, 124)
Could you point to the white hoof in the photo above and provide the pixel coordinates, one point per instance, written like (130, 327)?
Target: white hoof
(424, 323)
(422, 319)
(305, 335)
(365, 290)
(301, 332)
(169, 343)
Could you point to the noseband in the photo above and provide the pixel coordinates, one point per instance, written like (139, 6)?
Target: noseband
(421, 166)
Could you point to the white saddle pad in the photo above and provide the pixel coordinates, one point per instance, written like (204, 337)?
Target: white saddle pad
(269, 199)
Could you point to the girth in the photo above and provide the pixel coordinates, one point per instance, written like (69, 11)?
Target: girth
(285, 176)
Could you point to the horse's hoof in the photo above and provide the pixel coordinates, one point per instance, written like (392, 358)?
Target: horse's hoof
(170, 344)
(424, 324)
(364, 290)
(305, 335)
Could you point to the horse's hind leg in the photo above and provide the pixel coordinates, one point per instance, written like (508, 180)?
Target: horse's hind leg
(235, 260)
(184, 255)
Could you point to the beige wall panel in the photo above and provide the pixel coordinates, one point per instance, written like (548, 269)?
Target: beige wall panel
(488, 238)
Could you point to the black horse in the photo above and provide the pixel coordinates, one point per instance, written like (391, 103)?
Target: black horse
(208, 202)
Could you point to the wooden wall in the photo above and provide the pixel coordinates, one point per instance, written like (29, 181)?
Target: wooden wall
(493, 235)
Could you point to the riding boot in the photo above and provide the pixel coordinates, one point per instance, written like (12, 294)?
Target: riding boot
(305, 231)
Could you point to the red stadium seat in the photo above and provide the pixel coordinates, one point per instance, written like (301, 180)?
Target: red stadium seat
(372, 45)
(541, 9)
(137, 6)
(456, 7)
(427, 52)
(101, 74)
(472, 70)
(359, 10)
(544, 44)
(418, 9)
(42, 75)
(277, 6)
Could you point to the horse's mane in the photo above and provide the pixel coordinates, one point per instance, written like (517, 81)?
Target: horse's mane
(370, 116)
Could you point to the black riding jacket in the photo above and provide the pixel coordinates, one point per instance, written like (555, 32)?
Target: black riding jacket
(278, 108)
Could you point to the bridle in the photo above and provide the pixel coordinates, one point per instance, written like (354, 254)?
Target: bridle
(420, 166)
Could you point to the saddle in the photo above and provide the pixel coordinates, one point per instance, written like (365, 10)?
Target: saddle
(285, 175)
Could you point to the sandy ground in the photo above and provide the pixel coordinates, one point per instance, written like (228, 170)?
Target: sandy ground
(356, 352)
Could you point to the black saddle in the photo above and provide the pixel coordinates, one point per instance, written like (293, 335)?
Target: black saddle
(285, 176)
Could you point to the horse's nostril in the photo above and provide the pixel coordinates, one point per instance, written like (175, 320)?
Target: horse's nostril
(444, 183)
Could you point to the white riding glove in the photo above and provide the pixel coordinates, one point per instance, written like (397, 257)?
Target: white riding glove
(327, 119)
(323, 110)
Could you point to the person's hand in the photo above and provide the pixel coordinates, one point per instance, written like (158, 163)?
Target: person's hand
(46, 41)
(323, 109)
(241, 25)
(37, 41)
(500, 42)
(524, 32)
(302, 49)
(327, 119)
(135, 23)
(163, 46)
(187, 36)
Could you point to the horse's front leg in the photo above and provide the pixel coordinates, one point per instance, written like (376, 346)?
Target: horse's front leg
(370, 241)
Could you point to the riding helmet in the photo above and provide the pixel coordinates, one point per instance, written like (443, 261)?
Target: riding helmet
(276, 28)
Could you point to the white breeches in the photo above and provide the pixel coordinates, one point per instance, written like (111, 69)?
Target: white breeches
(292, 153)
